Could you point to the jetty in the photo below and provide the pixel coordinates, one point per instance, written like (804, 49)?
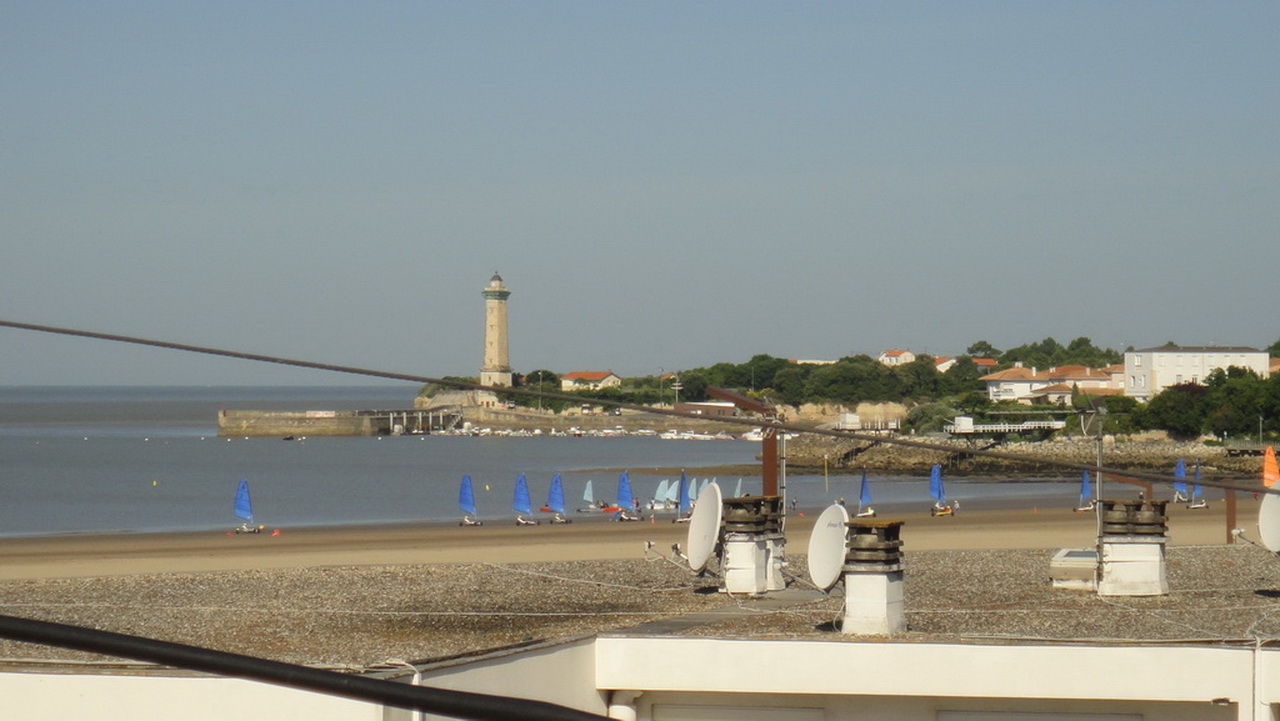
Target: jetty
(284, 424)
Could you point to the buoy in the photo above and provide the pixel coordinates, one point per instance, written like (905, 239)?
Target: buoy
(153, 483)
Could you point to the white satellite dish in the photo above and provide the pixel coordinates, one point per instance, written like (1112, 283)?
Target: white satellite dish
(1269, 522)
(827, 546)
(704, 527)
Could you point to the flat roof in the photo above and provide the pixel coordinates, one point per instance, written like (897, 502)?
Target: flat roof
(358, 617)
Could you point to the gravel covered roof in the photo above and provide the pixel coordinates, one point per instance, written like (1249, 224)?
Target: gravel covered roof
(361, 617)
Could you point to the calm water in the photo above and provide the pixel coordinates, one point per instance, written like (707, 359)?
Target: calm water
(78, 460)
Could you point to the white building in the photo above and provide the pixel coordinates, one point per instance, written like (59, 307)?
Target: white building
(1029, 385)
(1151, 370)
(896, 357)
(589, 380)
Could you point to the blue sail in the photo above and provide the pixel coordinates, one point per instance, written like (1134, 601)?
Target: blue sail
(686, 501)
(522, 503)
(625, 499)
(935, 484)
(1180, 472)
(244, 509)
(466, 498)
(1086, 489)
(1196, 490)
(555, 499)
(864, 498)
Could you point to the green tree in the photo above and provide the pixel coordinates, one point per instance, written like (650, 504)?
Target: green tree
(790, 384)
(1180, 410)
(963, 377)
(983, 349)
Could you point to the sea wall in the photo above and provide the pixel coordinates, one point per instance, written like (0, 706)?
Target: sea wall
(294, 423)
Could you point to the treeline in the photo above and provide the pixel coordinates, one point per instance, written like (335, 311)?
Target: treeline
(850, 380)
(1228, 404)
(1234, 403)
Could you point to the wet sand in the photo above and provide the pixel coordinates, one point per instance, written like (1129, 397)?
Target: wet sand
(587, 539)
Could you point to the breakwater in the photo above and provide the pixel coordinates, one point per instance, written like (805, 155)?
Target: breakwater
(256, 423)
(839, 455)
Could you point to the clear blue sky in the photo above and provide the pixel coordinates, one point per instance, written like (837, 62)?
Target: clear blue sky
(662, 185)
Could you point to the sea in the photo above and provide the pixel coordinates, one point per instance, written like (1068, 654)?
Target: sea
(78, 460)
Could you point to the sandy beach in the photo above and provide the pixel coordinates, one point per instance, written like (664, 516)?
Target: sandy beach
(587, 539)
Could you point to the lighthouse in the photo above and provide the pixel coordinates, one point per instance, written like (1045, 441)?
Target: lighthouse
(496, 370)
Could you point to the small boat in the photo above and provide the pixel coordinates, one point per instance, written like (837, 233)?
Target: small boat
(1086, 495)
(467, 503)
(522, 504)
(864, 500)
(626, 509)
(940, 505)
(588, 498)
(660, 500)
(1197, 493)
(684, 500)
(244, 510)
(1180, 485)
(737, 490)
(555, 501)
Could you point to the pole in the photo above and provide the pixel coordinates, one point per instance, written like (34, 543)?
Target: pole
(1231, 515)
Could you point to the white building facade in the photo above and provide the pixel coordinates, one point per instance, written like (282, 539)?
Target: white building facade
(1151, 370)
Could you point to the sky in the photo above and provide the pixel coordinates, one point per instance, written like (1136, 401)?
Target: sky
(661, 185)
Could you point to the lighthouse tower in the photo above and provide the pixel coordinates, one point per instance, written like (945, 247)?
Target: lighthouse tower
(496, 370)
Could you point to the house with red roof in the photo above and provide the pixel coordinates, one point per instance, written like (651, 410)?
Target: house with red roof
(1031, 386)
(896, 357)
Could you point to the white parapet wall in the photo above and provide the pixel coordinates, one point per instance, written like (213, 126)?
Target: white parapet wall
(917, 681)
(156, 697)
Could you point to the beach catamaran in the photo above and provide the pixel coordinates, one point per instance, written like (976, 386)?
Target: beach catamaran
(940, 505)
(555, 501)
(1086, 495)
(244, 509)
(467, 503)
(684, 500)
(1180, 485)
(626, 509)
(864, 500)
(1197, 493)
(522, 504)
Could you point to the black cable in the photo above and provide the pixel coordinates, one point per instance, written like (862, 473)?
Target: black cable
(458, 704)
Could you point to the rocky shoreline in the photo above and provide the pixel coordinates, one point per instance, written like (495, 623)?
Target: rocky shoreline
(809, 451)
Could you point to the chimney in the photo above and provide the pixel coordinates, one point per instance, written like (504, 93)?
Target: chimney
(753, 545)
(1131, 548)
(873, 597)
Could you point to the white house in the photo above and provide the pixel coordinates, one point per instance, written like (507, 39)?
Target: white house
(1151, 370)
(896, 357)
(1027, 385)
(589, 380)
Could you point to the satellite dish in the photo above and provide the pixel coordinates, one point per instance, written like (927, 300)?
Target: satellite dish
(1269, 522)
(704, 527)
(827, 546)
